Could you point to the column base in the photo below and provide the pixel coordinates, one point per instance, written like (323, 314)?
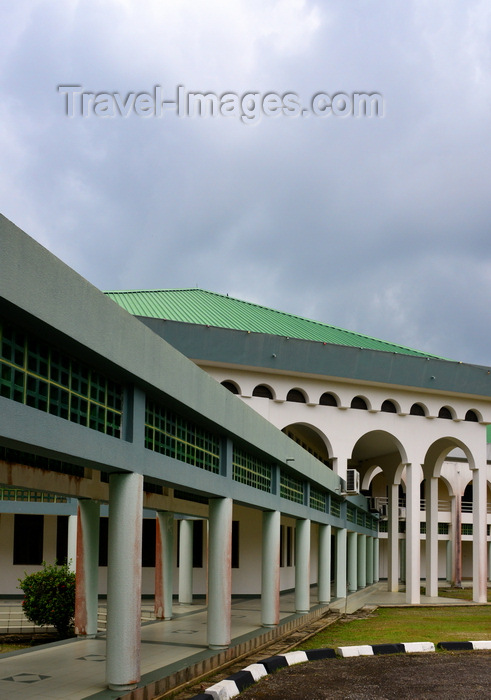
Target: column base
(86, 636)
(264, 624)
(123, 686)
(218, 647)
(302, 612)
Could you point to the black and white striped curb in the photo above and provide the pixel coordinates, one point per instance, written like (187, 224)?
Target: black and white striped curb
(237, 682)
(462, 646)
(376, 649)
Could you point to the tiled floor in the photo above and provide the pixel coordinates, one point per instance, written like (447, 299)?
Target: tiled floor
(75, 669)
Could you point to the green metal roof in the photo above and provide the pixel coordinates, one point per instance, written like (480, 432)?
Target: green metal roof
(210, 309)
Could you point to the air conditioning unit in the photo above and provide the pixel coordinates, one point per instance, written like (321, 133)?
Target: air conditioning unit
(384, 512)
(352, 481)
(402, 513)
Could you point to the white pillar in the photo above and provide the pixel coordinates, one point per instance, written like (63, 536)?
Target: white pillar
(413, 539)
(362, 561)
(431, 496)
(324, 576)
(270, 571)
(87, 569)
(457, 540)
(186, 562)
(393, 539)
(302, 566)
(479, 534)
(352, 561)
(376, 560)
(341, 539)
(124, 581)
(489, 561)
(220, 573)
(369, 560)
(164, 566)
(72, 543)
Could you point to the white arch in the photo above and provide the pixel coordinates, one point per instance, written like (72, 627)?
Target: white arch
(317, 431)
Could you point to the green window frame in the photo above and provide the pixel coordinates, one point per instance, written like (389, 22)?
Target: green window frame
(318, 500)
(291, 489)
(172, 435)
(250, 470)
(41, 376)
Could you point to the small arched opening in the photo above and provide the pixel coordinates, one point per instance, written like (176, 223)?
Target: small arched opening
(231, 386)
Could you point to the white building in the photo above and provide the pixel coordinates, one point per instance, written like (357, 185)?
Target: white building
(100, 416)
(410, 424)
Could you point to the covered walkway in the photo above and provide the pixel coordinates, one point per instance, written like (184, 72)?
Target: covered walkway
(76, 668)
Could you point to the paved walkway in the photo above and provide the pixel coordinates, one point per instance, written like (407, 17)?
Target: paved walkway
(75, 669)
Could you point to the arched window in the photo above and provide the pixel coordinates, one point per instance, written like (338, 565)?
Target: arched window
(360, 403)
(296, 396)
(231, 387)
(263, 391)
(471, 416)
(328, 399)
(388, 407)
(444, 412)
(417, 410)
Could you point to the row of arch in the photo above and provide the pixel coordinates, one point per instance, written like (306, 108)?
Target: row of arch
(358, 402)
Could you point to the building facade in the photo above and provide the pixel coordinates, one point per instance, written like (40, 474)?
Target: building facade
(253, 467)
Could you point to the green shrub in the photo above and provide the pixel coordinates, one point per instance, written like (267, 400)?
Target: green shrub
(50, 598)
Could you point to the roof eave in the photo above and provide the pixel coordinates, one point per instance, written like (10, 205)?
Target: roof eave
(278, 353)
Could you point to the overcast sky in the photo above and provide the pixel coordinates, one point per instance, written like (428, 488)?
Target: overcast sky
(377, 224)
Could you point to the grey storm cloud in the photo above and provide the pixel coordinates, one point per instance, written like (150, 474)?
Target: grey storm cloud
(380, 225)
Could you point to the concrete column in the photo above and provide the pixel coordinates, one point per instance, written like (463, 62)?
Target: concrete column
(220, 573)
(302, 566)
(393, 540)
(362, 561)
(431, 497)
(489, 561)
(479, 534)
(376, 559)
(124, 581)
(87, 569)
(164, 566)
(72, 543)
(352, 539)
(324, 576)
(369, 560)
(457, 540)
(413, 532)
(449, 549)
(186, 562)
(270, 571)
(340, 554)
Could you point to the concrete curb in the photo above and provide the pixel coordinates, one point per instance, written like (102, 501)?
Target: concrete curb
(461, 646)
(236, 683)
(376, 649)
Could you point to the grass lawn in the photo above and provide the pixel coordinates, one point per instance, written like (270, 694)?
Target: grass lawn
(4, 648)
(393, 625)
(460, 593)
